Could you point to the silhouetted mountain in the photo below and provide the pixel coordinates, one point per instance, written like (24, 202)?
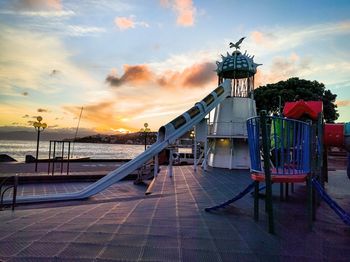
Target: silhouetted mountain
(137, 138)
(26, 133)
(84, 135)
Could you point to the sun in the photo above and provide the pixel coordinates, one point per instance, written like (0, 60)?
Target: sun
(121, 130)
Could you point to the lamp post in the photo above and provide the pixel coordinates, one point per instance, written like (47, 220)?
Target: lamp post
(145, 131)
(194, 148)
(38, 127)
(192, 137)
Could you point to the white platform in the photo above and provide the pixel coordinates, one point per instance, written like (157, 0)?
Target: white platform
(228, 133)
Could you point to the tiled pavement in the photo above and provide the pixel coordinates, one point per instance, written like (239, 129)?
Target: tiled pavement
(122, 224)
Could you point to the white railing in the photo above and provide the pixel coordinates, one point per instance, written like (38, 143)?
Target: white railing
(228, 129)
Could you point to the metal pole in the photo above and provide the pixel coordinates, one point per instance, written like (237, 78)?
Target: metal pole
(145, 139)
(312, 159)
(195, 150)
(320, 129)
(37, 150)
(348, 168)
(156, 165)
(325, 164)
(62, 155)
(14, 196)
(48, 164)
(76, 130)
(68, 157)
(231, 151)
(170, 166)
(205, 157)
(53, 157)
(266, 152)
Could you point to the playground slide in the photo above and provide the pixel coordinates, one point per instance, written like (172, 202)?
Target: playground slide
(332, 204)
(249, 188)
(166, 135)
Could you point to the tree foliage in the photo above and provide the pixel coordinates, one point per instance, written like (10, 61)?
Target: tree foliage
(293, 89)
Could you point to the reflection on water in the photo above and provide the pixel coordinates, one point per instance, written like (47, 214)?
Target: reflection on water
(18, 150)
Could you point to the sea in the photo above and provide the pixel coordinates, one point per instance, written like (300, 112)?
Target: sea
(19, 149)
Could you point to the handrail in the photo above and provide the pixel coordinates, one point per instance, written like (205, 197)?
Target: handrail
(14, 193)
(289, 141)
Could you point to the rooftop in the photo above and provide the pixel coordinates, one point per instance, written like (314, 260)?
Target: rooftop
(121, 223)
(236, 65)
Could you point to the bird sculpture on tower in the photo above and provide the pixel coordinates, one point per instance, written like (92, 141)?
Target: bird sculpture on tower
(237, 45)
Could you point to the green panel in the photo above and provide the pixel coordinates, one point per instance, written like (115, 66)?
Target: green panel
(277, 126)
(347, 129)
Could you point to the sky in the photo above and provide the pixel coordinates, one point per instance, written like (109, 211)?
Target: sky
(131, 62)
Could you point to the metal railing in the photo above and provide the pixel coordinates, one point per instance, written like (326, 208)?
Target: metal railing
(3, 183)
(288, 141)
(228, 129)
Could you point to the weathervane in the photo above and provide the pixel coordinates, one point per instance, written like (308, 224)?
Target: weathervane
(237, 45)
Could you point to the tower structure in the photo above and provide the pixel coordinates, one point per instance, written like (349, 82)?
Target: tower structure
(228, 133)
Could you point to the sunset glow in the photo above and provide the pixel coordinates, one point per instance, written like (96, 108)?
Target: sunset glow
(131, 62)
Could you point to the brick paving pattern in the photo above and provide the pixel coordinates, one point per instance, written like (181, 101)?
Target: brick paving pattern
(122, 224)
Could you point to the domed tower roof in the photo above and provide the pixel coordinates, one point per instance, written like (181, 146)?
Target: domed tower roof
(236, 65)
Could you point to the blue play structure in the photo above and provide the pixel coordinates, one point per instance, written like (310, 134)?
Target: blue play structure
(288, 144)
(234, 199)
(336, 208)
(285, 151)
(280, 151)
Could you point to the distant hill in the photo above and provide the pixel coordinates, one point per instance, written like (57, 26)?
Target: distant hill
(84, 136)
(26, 133)
(137, 138)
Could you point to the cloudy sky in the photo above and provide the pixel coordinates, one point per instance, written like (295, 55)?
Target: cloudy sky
(130, 62)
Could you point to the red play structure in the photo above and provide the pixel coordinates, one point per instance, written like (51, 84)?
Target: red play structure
(334, 134)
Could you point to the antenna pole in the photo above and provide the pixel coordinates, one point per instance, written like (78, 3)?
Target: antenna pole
(76, 131)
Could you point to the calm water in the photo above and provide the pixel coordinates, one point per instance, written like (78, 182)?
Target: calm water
(18, 150)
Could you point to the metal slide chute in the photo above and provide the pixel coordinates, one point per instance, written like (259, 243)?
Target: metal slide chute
(166, 135)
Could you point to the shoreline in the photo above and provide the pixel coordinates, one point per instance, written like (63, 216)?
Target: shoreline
(19, 149)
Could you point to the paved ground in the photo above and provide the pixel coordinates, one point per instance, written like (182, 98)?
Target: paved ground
(122, 224)
(27, 169)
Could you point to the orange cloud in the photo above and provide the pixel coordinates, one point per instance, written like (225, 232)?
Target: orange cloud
(136, 75)
(341, 103)
(282, 68)
(257, 37)
(263, 39)
(184, 9)
(195, 76)
(185, 12)
(124, 23)
(108, 115)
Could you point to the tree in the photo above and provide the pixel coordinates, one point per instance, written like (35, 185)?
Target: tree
(293, 89)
